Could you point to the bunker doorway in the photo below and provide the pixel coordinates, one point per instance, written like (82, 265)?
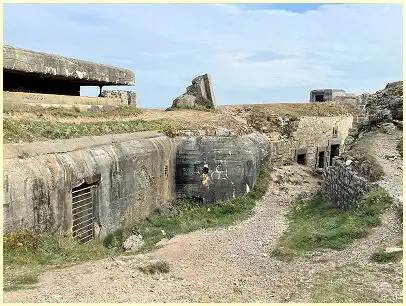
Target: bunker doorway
(320, 163)
(334, 151)
(301, 159)
(319, 98)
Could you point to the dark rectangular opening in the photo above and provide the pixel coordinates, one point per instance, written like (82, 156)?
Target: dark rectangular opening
(301, 159)
(320, 163)
(334, 151)
(319, 98)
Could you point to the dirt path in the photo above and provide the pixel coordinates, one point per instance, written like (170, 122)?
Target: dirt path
(384, 147)
(223, 265)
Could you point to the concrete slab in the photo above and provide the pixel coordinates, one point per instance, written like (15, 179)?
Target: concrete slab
(86, 73)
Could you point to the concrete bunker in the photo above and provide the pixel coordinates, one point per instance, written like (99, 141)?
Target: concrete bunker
(37, 72)
(323, 95)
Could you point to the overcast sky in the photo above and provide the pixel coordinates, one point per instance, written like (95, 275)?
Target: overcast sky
(254, 53)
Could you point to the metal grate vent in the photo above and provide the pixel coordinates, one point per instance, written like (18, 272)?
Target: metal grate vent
(83, 207)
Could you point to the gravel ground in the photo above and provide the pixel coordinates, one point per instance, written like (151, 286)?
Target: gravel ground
(384, 146)
(222, 265)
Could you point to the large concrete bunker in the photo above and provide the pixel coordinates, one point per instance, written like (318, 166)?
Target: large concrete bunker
(37, 72)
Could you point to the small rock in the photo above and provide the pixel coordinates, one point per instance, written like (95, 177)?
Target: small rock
(133, 243)
(264, 255)
(348, 162)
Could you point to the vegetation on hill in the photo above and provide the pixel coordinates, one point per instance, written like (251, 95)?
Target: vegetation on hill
(314, 225)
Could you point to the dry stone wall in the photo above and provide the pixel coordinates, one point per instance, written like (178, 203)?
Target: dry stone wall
(343, 187)
(125, 97)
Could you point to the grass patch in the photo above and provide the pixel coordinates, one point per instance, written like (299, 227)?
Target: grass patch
(71, 112)
(399, 146)
(381, 256)
(20, 281)
(357, 284)
(366, 164)
(26, 255)
(314, 225)
(32, 130)
(189, 215)
(156, 267)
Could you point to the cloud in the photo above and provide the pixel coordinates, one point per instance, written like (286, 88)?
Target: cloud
(253, 54)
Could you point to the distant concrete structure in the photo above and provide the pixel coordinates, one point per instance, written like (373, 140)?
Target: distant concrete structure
(37, 72)
(198, 95)
(323, 95)
(126, 97)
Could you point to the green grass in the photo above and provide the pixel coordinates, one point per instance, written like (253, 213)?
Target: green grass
(381, 256)
(354, 283)
(71, 112)
(154, 268)
(32, 130)
(20, 281)
(26, 255)
(399, 146)
(314, 225)
(191, 216)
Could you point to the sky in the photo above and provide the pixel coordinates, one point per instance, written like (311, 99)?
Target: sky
(255, 53)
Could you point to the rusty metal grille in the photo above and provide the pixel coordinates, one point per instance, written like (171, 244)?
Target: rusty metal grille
(83, 207)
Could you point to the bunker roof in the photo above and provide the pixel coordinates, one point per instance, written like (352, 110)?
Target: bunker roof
(30, 62)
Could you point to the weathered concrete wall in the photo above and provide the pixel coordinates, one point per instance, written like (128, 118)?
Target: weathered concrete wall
(343, 187)
(31, 62)
(125, 97)
(330, 94)
(315, 134)
(216, 168)
(198, 95)
(136, 173)
(11, 99)
(136, 176)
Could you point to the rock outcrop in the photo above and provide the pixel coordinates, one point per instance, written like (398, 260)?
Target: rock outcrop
(198, 95)
(385, 105)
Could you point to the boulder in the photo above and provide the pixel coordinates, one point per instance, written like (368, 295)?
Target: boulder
(199, 95)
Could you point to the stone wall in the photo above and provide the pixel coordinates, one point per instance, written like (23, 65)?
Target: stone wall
(281, 152)
(134, 173)
(315, 134)
(125, 97)
(343, 187)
